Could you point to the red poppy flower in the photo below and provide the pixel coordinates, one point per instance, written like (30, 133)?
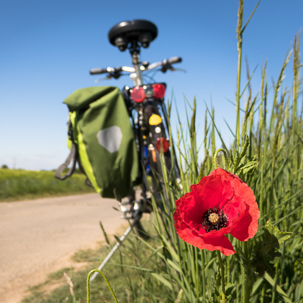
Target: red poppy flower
(221, 203)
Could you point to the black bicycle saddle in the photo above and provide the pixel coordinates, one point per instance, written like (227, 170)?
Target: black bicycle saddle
(135, 31)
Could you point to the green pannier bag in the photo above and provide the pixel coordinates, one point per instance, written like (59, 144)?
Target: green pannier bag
(101, 140)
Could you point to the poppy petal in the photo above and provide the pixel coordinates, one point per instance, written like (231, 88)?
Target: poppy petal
(229, 194)
(214, 192)
(234, 210)
(188, 235)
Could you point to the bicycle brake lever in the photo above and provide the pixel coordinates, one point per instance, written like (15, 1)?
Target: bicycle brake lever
(177, 69)
(108, 77)
(167, 67)
(171, 68)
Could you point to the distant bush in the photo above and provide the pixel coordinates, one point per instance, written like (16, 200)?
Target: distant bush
(4, 166)
(17, 184)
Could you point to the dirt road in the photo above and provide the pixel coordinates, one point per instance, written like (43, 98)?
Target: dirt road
(39, 236)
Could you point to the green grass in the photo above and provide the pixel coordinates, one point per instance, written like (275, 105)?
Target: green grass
(270, 141)
(17, 184)
(59, 274)
(127, 272)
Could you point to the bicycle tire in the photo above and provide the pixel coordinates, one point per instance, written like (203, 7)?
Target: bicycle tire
(154, 156)
(140, 230)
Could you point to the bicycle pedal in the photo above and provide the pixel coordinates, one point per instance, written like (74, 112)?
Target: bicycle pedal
(127, 217)
(127, 203)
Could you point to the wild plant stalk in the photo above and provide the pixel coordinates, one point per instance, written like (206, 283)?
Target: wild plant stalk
(277, 184)
(239, 48)
(275, 153)
(262, 129)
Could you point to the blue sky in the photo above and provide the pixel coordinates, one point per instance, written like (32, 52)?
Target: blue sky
(48, 47)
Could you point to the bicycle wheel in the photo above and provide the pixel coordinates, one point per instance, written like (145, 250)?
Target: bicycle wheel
(156, 140)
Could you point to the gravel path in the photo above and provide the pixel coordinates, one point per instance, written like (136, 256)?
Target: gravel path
(39, 236)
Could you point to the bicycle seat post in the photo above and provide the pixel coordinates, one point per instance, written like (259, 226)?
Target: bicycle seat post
(135, 52)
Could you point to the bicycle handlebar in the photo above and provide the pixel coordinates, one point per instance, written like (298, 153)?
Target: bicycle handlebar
(96, 71)
(174, 60)
(164, 64)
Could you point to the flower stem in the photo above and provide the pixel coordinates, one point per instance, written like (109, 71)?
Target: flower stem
(243, 284)
(222, 276)
(203, 276)
(247, 291)
(107, 282)
(225, 156)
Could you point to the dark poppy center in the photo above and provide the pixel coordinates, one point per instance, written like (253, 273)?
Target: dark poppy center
(214, 219)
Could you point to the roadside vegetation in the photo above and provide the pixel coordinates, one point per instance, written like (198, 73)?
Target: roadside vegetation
(267, 154)
(17, 184)
(124, 272)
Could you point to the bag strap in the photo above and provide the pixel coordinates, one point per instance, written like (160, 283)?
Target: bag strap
(72, 157)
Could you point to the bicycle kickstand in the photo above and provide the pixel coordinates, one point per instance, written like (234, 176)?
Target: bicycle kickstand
(115, 248)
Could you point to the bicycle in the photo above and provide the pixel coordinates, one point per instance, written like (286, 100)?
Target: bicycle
(145, 103)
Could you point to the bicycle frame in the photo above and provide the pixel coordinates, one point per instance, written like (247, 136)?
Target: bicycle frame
(122, 35)
(136, 76)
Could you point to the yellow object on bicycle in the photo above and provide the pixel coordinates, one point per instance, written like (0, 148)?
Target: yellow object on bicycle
(155, 120)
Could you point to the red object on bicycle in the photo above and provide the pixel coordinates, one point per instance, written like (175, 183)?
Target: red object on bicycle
(138, 94)
(165, 145)
(159, 90)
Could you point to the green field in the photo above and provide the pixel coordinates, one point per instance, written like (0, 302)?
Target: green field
(267, 154)
(17, 184)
